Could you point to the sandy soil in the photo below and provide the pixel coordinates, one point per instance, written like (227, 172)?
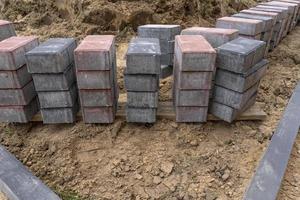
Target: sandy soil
(291, 185)
(165, 160)
(2, 197)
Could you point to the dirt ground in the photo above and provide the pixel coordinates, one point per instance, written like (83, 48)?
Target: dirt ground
(165, 160)
(77, 18)
(2, 197)
(291, 186)
(162, 161)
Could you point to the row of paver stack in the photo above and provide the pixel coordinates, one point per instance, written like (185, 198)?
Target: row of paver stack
(166, 35)
(215, 36)
(18, 98)
(283, 16)
(240, 66)
(7, 30)
(52, 67)
(194, 64)
(96, 67)
(280, 27)
(284, 13)
(268, 27)
(142, 80)
(248, 28)
(292, 11)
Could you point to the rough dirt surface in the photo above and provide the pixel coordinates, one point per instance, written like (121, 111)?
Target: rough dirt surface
(161, 161)
(291, 185)
(165, 160)
(2, 197)
(77, 18)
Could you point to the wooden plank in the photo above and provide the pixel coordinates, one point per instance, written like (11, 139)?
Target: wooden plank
(166, 111)
(266, 182)
(17, 183)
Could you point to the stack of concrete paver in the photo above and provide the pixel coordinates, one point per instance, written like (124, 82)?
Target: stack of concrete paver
(18, 101)
(283, 16)
(194, 64)
(166, 35)
(52, 67)
(95, 60)
(7, 30)
(292, 7)
(215, 36)
(297, 13)
(277, 26)
(268, 26)
(240, 66)
(249, 28)
(142, 80)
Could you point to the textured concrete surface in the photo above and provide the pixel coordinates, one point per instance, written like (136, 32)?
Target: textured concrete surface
(97, 98)
(215, 36)
(95, 79)
(142, 99)
(19, 114)
(95, 53)
(245, 26)
(283, 15)
(241, 82)
(141, 115)
(228, 113)
(15, 97)
(7, 30)
(143, 56)
(194, 53)
(232, 98)
(59, 115)
(191, 114)
(15, 78)
(240, 54)
(268, 22)
(194, 80)
(166, 46)
(95, 60)
(141, 82)
(142, 78)
(17, 183)
(52, 56)
(58, 99)
(194, 65)
(276, 36)
(55, 82)
(192, 97)
(13, 50)
(166, 35)
(292, 9)
(167, 59)
(160, 31)
(100, 115)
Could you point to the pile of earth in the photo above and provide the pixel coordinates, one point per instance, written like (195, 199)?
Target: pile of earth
(162, 161)
(77, 18)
